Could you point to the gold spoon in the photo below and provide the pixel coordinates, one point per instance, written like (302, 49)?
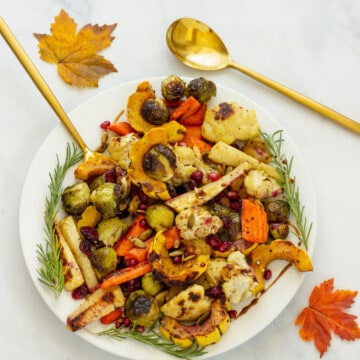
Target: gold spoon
(48, 94)
(198, 46)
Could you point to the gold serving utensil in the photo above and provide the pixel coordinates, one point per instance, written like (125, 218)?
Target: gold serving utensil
(198, 46)
(47, 93)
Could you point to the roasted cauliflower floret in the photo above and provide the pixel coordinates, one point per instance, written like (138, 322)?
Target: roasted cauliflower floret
(260, 185)
(188, 305)
(187, 161)
(119, 147)
(213, 273)
(228, 122)
(196, 222)
(238, 278)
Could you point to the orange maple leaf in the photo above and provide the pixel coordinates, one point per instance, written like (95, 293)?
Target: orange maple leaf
(325, 313)
(76, 53)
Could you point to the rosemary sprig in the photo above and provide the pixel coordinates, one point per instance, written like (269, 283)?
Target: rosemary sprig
(50, 270)
(153, 338)
(287, 181)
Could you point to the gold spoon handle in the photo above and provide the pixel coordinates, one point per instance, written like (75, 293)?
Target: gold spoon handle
(39, 81)
(302, 99)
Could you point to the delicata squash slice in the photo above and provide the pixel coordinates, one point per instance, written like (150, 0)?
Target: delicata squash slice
(206, 333)
(172, 274)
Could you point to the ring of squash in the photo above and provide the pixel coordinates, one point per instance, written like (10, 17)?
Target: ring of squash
(209, 332)
(278, 249)
(172, 274)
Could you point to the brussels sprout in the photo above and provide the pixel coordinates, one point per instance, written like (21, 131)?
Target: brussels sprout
(279, 230)
(257, 149)
(103, 198)
(155, 111)
(159, 217)
(159, 162)
(201, 89)
(142, 308)
(76, 198)
(150, 284)
(277, 211)
(103, 260)
(110, 230)
(96, 181)
(173, 88)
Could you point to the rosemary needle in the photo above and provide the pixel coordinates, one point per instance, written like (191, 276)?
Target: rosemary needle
(50, 270)
(288, 183)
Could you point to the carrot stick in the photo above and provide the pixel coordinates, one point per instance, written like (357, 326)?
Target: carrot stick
(111, 317)
(121, 128)
(135, 230)
(196, 118)
(254, 225)
(121, 276)
(189, 107)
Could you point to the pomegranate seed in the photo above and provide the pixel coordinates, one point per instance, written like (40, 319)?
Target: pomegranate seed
(142, 207)
(126, 322)
(235, 205)
(232, 314)
(143, 223)
(214, 292)
(117, 324)
(110, 175)
(177, 259)
(85, 247)
(213, 241)
(197, 177)
(133, 285)
(267, 274)
(214, 176)
(143, 197)
(140, 328)
(80, 292)
(130, 262)
(105, 124)
(224, 246)
(232, 195)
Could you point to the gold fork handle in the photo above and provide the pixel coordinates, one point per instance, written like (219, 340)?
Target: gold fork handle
(39, 81)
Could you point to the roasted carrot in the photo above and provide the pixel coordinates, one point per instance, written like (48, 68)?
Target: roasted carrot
(139, 254)
(196, 118)
(111, 317)
(121, 128)
(189, 107)
(254, 225)
(193, 138)
(171, 235)
(135, 230)
(121, 276)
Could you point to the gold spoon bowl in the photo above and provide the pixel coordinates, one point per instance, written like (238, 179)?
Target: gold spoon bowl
(196, 45)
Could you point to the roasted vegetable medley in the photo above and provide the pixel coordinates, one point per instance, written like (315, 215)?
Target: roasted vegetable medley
(179, 228)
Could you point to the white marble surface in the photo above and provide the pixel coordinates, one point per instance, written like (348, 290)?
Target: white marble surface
(311, 46)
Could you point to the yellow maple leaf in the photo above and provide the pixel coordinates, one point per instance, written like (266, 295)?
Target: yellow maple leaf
(76, 53)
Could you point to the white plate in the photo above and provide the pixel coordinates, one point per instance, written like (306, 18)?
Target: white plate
(87, 119)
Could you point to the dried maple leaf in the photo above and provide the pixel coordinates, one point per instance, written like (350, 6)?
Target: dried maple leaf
(325, 313)
(76, 53)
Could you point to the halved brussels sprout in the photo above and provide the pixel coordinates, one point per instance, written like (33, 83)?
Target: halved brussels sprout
(76, 198)
(201, 89)
(155, 111)
(142, 308)
(159, 217)
(103, 260)
(173, 88)
(159, 162)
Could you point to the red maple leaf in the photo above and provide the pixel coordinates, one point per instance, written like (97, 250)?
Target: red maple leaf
(325, 313)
